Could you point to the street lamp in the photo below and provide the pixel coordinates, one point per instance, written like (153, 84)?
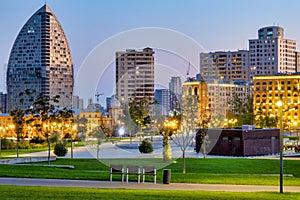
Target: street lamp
(1, 128)
(280, 105)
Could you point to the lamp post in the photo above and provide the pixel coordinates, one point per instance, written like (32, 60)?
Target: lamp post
(280, 105)
(1, 128)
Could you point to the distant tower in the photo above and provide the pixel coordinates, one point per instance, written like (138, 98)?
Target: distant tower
(162, 96)
(175, 87)
(40, 60)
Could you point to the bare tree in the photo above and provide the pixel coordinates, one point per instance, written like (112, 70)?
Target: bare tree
(188, 125)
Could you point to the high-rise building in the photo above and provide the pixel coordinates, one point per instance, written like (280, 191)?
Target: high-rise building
(231, 65)
(77, 102)
(40, 61)
(175, 87)
(271, 53)
(162, 96)
(135, 74)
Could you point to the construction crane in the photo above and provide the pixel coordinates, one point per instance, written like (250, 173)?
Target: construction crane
(97, 95)
(188, 70)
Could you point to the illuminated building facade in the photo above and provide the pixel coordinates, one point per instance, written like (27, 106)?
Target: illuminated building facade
(269, 90)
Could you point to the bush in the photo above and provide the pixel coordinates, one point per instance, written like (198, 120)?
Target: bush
(146, 146)
(24, 144)
(37, 140)
(60, 149)
(7, 144)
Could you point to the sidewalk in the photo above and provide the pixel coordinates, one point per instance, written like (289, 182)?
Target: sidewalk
(146, 186)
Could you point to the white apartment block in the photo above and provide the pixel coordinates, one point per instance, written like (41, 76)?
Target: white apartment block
(135, 74)
(228, 65)
(221, 96)
(272, 54)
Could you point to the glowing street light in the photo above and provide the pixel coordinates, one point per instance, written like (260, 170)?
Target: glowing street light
(280, 105)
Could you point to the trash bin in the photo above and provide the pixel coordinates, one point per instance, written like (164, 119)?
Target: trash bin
(166, 176)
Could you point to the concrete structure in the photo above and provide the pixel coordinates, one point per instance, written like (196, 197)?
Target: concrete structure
(267, 92)
(40, 61)
(230, 65)
(135, 74)
(175, 87)
(238, 142)
(3, 102)
(162, 96)
(271, 53)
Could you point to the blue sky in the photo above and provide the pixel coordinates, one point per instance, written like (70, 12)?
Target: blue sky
(215, 24)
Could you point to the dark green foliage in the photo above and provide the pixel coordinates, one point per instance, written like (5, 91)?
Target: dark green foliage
(146, 146)
(7, 144)
(60, 149)
(37, 140)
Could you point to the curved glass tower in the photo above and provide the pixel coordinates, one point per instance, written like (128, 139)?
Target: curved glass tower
(40, 60)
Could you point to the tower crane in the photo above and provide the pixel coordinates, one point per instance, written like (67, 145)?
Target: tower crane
(97, 95)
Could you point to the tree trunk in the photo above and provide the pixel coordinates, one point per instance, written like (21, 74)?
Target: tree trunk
(167, 152)
(71, 148)
(183, 162)
(98, 148)
(48, 141)
(17, 147)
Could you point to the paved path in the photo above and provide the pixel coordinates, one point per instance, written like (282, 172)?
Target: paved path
(148, 186)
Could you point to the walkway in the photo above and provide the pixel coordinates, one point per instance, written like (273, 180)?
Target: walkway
(147, 186)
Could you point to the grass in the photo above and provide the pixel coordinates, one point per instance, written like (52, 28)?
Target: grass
(40, 193)
(10, 152)
(199, 170)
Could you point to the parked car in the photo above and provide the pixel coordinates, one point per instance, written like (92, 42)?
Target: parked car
(297, 148)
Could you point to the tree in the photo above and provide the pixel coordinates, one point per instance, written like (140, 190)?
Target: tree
(66, 120)
(100, 135)
(18, 119)
(242, 110)
(19, 116)
(170, 127)
(189, 123)
(81, 123)
(44, 113)
(140, 112)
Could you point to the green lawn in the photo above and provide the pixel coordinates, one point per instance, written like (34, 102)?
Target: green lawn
(199, 170)
(11, 152)
(40, 193)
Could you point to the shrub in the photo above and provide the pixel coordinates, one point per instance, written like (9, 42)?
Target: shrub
(37, 140)
(146, 146)
(60, 149)
(23, 144)
(7, 144)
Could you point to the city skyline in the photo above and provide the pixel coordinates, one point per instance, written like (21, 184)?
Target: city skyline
(218, 26)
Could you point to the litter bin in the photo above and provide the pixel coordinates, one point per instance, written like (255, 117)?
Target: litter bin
(166, 176)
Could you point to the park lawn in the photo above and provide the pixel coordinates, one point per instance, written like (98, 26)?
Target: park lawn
(210, 170)
(40, 193)
(12, 152)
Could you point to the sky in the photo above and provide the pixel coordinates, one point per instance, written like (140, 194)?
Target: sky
(215, 25)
